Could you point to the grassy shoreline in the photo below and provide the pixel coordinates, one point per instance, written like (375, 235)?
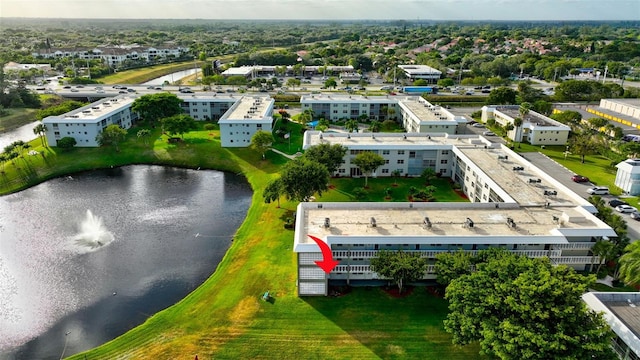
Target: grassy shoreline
(225, 317)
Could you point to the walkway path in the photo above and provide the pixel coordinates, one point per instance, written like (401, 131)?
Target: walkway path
(284, 154)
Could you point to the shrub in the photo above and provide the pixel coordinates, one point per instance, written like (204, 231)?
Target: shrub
(66, 142)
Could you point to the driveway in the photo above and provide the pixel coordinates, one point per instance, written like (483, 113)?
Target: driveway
(563, 175)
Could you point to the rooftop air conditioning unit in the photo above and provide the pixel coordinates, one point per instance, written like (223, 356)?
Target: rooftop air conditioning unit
(469, 223)
(327, 223)
(426, 222)
(372, 221)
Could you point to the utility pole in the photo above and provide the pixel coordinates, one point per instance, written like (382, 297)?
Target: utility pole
(604, 78)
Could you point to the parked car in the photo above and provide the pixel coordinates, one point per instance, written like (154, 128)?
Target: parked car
(67, 87)
(579, 178)
(635, 215)
(598, 190)
(488, 133)
(616, 202)
(478, 125)
(625, 208)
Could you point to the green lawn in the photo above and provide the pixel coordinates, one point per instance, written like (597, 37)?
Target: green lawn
(225, 317)
(294, 143)
(137, 76)
(16, 117)
(342, 189)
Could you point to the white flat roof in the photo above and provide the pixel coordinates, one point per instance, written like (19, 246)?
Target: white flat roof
(622, 313)
(419, 70)
(404, 223)
(338, 98)
(249, 108)
(95, 111)
(427, 112)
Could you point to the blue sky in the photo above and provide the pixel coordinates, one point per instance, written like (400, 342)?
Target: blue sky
(327, 9)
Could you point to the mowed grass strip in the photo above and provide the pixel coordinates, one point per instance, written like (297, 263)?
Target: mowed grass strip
(225, 317)
(137, 76)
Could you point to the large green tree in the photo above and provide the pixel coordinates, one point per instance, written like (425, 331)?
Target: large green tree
(630, 264)
(301, 178)
(154, 107)
(262, 141)
(326, 154)
(583, 144)
(368, 162)
(178, 124)
(400, 266)
(273, 192)
(523, 308)
(502, 96)
(111, 135)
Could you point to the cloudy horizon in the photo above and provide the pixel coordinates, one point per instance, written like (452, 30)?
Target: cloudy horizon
(517, 10)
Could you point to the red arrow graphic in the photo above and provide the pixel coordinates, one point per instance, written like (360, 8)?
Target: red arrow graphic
(327, 264)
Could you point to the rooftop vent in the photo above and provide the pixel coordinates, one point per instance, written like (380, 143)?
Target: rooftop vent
(535, 181)
(518, 168)
(511, 223)
(327, 223)
(550, 192)
(404, 137)
(503, 157)
(320, 136)
(372, 222)
(426, 222)
(468, 223)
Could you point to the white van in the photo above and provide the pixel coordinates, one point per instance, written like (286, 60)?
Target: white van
(598, 190)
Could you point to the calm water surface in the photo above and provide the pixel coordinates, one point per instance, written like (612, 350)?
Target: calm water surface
(85, 258)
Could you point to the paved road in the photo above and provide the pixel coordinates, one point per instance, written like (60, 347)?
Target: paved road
(563, 175)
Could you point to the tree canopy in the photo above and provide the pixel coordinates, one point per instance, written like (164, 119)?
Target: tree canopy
(400, 266)
(178, 124)
(111, 135)
(301, 178)
(502, 96)
(630, 264)
(153, 107)
(261, 141)
(368, 162)
(523, 308)
(326, 154)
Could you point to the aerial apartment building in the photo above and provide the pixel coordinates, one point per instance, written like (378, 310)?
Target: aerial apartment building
(513, 205)
(85, 123)
(536, 129)
(414, 112)
(239, 117)
(114, 55)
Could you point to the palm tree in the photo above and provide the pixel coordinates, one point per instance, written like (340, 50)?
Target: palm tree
(351, 125)
(604, 249)
(630, 264)
(374, 126)
(41, 131)
(143, 133)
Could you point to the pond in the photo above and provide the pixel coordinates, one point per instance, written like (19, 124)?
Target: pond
(85, 258)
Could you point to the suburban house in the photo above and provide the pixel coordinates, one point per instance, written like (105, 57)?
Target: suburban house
(621, 310)
(513, 205)
(536, 129)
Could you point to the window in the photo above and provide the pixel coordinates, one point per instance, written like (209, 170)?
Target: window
(342, 171)
(412, 154)
(445, 152)
(385, 152)
(444, 161)
(385, 171)
(400, 161)
(400, 152)
(386, 161)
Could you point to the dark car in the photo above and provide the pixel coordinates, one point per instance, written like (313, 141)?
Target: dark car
(615, 203)
(635, 215)
(579, 178)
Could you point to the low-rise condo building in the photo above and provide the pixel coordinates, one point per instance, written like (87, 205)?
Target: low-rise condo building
(513, 205)
(536, 129)
(245, 117)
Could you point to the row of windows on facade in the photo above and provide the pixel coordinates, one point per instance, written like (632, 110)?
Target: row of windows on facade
(387, 171)
(246, 125)
(388, 152)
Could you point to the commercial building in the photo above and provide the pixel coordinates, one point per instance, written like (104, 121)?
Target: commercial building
(628, 176)
(513, 205)
(621, 310)
(414, 113)
(239, 117)
(421, 72)
(536, 128)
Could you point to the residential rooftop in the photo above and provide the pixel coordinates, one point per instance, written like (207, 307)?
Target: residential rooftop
(250, 108)
(98, 110)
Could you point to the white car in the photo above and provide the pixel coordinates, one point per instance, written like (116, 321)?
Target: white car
(478, 125)
(625, 208)
(488, 133)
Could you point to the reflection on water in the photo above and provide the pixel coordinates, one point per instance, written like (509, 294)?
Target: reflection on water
(85, 258)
